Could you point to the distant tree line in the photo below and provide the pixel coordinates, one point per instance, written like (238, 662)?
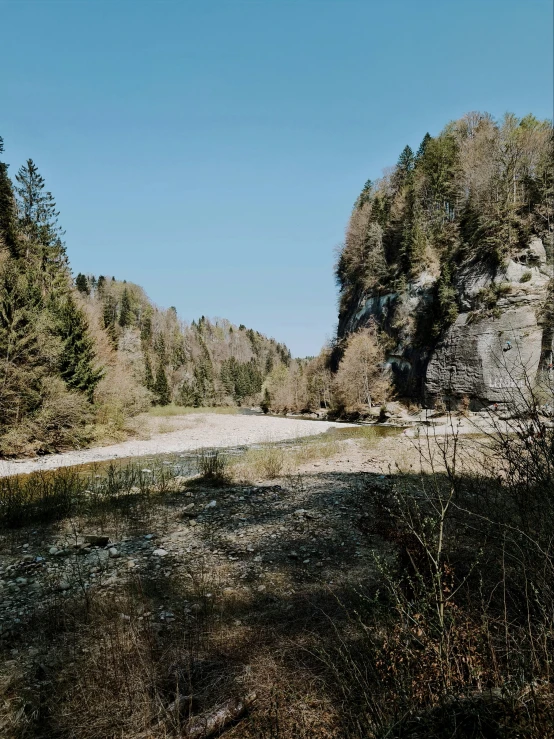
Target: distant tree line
(78, 357)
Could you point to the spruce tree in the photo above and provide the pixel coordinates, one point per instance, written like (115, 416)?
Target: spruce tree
(38, 217)
(81, 284)
(404, 168)
(161, 387)
(146, 327)
(109, 311)
(422, 147)
(365, 195)
(24, 349)
(77, 359)
(8, 213)
(125, 314)
(148, 376)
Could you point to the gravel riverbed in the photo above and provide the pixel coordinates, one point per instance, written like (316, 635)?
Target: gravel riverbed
(196, 431)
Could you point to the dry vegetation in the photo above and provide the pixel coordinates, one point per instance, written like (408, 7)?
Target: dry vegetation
(332, 604)
(361, 381)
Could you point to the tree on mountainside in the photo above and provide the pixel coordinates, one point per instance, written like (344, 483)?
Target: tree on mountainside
(404, 168)
(125, 314)
(8, 212)
(422, 147)
(148, 376)
(81, 284)
(362, 378)
(77, 359)
(109, 315)
(26, 346)
(161, 386)
(38, 217)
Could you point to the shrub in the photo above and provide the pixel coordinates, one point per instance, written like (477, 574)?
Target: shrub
(213, 465)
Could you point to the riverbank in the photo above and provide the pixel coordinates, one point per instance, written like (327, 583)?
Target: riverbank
(195, 431)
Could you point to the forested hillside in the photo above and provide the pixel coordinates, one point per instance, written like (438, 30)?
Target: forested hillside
(450, 254)
(451, 246)
(479, 190)
(78, 358)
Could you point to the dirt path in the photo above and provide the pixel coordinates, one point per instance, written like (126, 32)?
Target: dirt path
(196, 431)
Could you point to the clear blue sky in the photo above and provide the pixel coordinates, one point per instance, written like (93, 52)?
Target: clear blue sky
(211, 150)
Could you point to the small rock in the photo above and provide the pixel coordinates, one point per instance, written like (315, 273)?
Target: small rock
(160, 553)
(53, 550)
(113, 552)
(211, 504)
(97, 540)
(148, 537)
(261, 588)
(64, 585)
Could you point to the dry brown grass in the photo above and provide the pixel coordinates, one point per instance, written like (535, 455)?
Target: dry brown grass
(341, 654)
(274, 460)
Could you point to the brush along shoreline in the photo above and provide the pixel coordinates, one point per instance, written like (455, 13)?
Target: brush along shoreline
(195, 431)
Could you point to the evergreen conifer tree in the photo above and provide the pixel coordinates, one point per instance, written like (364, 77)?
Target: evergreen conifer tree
(109, 311)
(365, 195)
(81, 284)
(161, 386)
(422, 147)
(404, 168)
(8, 214)
(38, 217)
(77, 360)
(148, 376)
(125, 314)
(146, 327)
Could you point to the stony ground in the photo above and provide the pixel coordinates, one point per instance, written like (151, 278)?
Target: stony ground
(266, 561)
(254, 538)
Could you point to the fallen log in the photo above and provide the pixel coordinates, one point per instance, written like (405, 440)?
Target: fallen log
(212, 722)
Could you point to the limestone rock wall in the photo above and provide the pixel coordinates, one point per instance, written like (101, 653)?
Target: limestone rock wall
(488, 353)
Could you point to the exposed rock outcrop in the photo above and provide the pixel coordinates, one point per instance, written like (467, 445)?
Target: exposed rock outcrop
(501, 339)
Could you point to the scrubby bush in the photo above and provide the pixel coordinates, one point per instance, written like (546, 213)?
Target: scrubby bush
(362, 378)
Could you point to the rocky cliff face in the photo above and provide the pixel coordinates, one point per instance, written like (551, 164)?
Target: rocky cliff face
(501, 339)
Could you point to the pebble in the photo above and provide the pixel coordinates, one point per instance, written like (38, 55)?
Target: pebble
(53, 550)
(160, 552)
(148, 537)
(113, 552)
